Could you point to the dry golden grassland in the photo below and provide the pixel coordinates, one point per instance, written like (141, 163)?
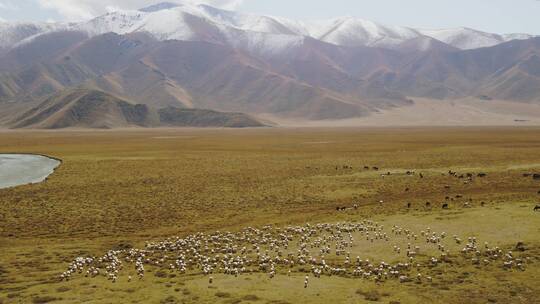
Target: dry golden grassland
(122, 188)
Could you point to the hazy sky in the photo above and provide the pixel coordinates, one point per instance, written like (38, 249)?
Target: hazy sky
(500, 16)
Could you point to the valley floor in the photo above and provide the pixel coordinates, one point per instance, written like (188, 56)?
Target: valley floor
(430, 112)
(118, 189)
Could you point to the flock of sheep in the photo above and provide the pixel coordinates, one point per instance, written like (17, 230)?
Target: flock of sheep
(330, 249)
(316, 250)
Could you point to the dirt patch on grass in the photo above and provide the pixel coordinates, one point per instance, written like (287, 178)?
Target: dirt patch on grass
(44, 299)
(370, 295)
(221, 294)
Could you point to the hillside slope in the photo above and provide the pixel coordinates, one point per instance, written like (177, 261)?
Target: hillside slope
(86, 108)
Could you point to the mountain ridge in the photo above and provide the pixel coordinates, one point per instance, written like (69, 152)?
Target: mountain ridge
(168, 20)
(292, 77)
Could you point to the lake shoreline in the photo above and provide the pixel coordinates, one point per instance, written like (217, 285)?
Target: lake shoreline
(18, 169)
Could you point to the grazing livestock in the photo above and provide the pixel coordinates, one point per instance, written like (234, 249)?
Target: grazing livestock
(323, 249)
(404, 279)
(537, 208)
(445, 206)
(536, 176)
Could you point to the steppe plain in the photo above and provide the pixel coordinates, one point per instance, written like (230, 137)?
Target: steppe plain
(121, 188)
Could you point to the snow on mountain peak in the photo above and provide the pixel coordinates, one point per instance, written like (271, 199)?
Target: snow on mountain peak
(12, 33)
(351, 31)
(188, 21)
(466, 38)
(159, 7)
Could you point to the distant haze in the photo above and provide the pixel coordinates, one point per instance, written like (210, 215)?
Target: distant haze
(499, 16)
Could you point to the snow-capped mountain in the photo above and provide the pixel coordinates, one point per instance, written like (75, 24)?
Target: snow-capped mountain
(466, 38)
(13, 33)
(261, 34)
(198, 56)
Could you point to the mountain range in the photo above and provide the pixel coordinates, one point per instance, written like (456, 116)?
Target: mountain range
(171, 57)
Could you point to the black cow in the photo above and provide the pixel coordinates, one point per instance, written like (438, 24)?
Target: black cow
(537, 208)
(445, 206)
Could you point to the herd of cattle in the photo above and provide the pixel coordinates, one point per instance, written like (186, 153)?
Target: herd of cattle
(466, 177)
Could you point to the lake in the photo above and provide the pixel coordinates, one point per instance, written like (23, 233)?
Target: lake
(22, 169)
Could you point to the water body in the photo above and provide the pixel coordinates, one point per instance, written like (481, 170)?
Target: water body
(22, 169)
